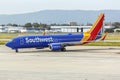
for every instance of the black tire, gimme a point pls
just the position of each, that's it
(63, 49)
(16, 50)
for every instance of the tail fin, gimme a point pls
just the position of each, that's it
(97, 26)
(95, 30)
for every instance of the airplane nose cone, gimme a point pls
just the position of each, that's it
(8, 44)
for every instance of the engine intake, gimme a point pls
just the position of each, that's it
(55, 46)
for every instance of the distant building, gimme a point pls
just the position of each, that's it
(70, 28)
(12, 29)
(109, 27)
(3, 29)
(117, 30)
(73, 23)
(75, 28)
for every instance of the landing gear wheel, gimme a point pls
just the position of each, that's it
(63, 49)
(16, 50)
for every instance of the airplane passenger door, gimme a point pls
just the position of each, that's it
(21, 41)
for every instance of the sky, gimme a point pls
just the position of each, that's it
(26, 6)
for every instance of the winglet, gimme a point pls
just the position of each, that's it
(103, 38)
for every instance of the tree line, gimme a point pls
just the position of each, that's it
(29, 25)
(42, 25)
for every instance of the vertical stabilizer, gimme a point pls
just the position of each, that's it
(94, 30)
(97, 26)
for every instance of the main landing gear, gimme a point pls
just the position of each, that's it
(63, 49)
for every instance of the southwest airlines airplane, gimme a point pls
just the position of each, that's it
(59, 42)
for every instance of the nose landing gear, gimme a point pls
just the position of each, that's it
(16, 50)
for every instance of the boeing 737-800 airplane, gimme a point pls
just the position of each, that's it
(58, 42)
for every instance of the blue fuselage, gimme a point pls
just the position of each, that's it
(42, 41)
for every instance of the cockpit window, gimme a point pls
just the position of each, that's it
(13, 40)
(10, 40)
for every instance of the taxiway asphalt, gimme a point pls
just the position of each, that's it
(77, 63)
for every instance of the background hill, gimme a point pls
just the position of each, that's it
(61, 16)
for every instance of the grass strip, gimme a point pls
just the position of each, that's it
(103, 44)
(2, 42)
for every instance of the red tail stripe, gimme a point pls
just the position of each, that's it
(96, 29)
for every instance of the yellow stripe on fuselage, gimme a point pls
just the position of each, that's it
(85, 37)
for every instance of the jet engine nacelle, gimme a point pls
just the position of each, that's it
(55, 46)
